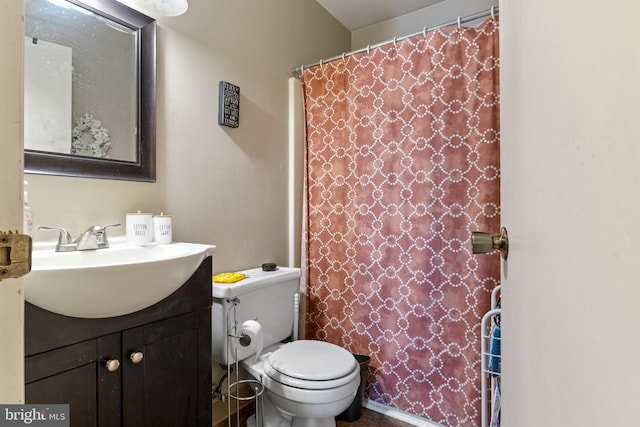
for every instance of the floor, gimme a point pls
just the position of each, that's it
(371, 418)
(368, 418)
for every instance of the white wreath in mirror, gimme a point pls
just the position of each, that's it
(89, 138)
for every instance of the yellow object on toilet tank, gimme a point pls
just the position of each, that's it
(228, 277)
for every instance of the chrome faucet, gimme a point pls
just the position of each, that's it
(95, 237)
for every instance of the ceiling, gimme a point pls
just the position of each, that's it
(357, 14)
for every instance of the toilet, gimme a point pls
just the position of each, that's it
(306, 382)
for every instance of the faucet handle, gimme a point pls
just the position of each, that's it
(64, 238)
(100, 231)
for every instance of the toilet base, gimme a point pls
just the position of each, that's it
(274, 417)
(296, 422)
(313, 422)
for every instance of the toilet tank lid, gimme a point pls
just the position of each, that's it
(255, 279)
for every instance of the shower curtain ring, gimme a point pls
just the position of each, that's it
(424, 32)
(343, 56)
(493, 12)
(368, 48)
(321, 64)
(459, 23)
(394, 42)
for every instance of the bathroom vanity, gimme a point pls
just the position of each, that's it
(148, 368)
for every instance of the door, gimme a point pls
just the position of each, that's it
(570, 126)
(11, 295)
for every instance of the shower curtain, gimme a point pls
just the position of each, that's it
(402, 165)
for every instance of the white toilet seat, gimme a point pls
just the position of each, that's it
(314, 392)
(311, 365)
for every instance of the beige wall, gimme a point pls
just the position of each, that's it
(414, 22)
(223, 186)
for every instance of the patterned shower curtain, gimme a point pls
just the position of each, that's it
(402, 165)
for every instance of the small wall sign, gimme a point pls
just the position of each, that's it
(228, 104)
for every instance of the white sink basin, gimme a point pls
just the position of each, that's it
(109, 282)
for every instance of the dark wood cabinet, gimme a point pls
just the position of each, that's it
(150, 368)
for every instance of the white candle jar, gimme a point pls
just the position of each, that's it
(162, 232)
(139, 228)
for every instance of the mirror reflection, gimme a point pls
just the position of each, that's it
(89, 89)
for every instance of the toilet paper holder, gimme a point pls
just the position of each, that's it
(235, 388)
(483, 243)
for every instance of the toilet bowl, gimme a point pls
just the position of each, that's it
(307, 382)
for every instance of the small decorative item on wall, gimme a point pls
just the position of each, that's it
(228, 104)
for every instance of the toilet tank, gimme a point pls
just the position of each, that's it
(264, 296)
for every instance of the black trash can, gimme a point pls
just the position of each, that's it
(353, 412)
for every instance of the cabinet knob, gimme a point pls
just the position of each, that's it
(136, 357)
(112, 365)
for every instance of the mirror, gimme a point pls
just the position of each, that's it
(89, 90)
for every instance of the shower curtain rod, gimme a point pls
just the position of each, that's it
(460, 20)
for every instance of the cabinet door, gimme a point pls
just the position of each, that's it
(77, 375)
(167, 372)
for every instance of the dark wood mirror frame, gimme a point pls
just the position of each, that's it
(144, 169)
